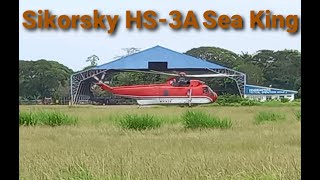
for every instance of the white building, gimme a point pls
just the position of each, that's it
(265, 93)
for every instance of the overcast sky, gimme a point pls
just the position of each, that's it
(72, 47)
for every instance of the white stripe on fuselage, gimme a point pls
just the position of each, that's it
(149, 100)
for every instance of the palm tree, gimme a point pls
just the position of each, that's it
(93, 60)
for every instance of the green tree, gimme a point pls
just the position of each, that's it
(281, 69)
(253, 72)
(221, 57)
(93, 60)
(216, 55)
(42, 78)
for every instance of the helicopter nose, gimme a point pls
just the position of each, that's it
(214, 97)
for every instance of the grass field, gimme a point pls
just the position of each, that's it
(98, 148)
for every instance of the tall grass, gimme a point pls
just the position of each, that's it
(76, 172)
(139, 122)
(50, 118)
(298, 115)
(101, 151)
(199, 119)
(27, 119)
(266, 116)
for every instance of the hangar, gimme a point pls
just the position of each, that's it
(155, 58)
(166, 60)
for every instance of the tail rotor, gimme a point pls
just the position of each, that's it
(101, 79)
(101, 83)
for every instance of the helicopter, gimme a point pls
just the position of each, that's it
(173, 91)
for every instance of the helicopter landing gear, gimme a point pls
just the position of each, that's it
(190, 97)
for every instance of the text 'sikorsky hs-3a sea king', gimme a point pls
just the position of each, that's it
(173, 91)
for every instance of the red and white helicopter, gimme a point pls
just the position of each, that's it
(171, 92)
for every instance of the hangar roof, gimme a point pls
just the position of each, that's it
(173, 60)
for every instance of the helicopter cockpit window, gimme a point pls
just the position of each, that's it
(205, 90)
(182, 82)
(211, 91)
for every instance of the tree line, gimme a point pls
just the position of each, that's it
(279, 69)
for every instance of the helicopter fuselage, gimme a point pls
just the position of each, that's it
(193, 92)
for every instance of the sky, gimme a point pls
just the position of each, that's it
(72, 47)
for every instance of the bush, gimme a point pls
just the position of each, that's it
(235, 100)
(284, 100)
(140, 122)
(45, 118)
(268, 116)
(249, 102)
(297, 100)
(198, 119)
(228, 99)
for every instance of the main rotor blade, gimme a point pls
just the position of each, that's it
(191, 75)
(210, 75)
(152, 72)
(168, 74)
(194, 75)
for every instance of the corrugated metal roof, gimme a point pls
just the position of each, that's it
(174, 59)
